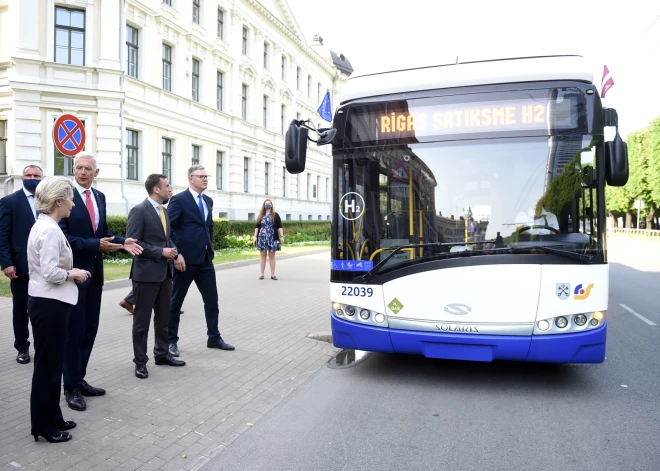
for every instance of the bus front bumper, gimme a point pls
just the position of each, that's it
(582, 347)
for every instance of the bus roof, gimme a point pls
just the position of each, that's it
(463, 74)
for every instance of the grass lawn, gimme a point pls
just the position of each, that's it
(116, 271)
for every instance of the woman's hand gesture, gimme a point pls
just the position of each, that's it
(78, 275)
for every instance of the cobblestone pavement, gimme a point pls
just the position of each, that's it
(179, 418)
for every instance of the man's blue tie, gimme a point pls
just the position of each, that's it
(201, 208)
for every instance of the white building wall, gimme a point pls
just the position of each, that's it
(34, 91)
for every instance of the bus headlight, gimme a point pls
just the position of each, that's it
(598, 315)
(561, 322)
(580, 319)
(364, 315)
(544, 325)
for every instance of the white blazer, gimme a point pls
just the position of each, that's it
(49, 258)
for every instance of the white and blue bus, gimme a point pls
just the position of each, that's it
(469, 210)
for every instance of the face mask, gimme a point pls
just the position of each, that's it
(30, 185)
(166, 201)
(268, 206)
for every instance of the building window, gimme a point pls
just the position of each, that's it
(218, 93)
(167, 2)
(318, 92)
(194, 160)
(219, 163)
(245, 41)
(167, 68)
(167, 158)
(266, 174)
(3, 147)
(246, 167)
(63, 163)
(266, 111)
(69, 36)
(327, 189)
(131, 155)
(283, 67)
(244, 102)
(282, 114)
(284, 181)
(196, 11)
(297, 78)
(221, 24)
(298, 116)
(317, 188)
(309, 86)
(309, 185)
(132, 51)
(265, 55)
(195, 80)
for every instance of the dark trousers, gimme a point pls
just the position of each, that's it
(19, 293)
(148, 296)
(82, 329)
(130, 298)
(49, 328)
(204, 277)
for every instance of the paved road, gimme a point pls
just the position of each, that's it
(194, 411)
(393, 412)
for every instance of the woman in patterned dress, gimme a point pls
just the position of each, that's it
(268, 223)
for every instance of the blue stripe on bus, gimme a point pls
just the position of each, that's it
(583, 347)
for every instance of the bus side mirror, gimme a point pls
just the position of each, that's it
(616, 162)
(295, 148)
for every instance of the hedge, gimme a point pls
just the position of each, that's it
(238, 234)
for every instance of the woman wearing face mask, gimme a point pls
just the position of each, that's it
(268, 223)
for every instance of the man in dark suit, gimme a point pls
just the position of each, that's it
(191, 217)
(87, 232)
(17, 215)
(152, 273)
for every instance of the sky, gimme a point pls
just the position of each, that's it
(380, 34)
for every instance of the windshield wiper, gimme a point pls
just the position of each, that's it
(562, 253)
(367, 276)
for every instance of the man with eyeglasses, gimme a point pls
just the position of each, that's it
(191, 220)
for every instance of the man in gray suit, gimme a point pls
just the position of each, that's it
(152, 273)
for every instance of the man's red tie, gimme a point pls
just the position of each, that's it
(90, 209)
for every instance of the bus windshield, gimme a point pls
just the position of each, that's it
(482, 195)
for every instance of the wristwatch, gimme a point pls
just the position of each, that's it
(67, 276)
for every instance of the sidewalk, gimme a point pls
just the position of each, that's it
(194, 411)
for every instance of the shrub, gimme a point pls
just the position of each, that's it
(238, 234)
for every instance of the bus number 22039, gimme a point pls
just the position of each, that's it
(357, 291)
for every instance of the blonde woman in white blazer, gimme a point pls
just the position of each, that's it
(52, 292)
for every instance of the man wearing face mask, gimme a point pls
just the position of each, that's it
(128, 302)
(17, 215)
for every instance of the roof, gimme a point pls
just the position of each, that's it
(463, 74)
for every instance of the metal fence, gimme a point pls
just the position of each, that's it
(650, 233)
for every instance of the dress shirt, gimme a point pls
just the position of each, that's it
(49, 258)
(196, 196)
(30, 198)
(82, 190)
(155, 204)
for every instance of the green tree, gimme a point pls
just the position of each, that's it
(653, 169)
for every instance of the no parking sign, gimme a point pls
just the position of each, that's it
(69, 135)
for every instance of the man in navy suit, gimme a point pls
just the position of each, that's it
(87, 232)
(191, 220)
(17, 215)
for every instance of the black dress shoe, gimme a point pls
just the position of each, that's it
(62, 437)
(141, 371)
(221, 344)
(67, 425)
(88, 390)
(23, 357)
(169, 360)
(174, 350)
(75, 400)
